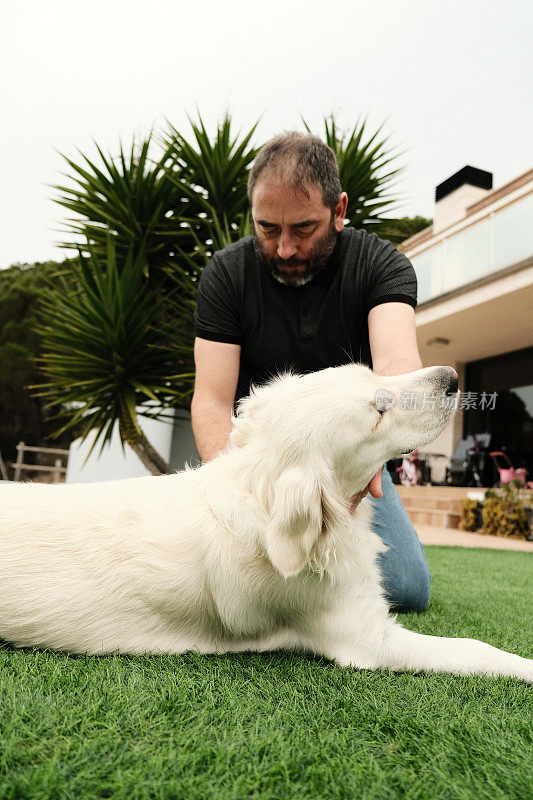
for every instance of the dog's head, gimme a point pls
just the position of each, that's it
(316, 439)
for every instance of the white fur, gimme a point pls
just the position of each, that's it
(256, 550)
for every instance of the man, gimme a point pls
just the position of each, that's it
(304, 292)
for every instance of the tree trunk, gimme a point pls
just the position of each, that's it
(149, 456)
(131, 433)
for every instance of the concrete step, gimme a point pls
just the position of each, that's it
(434, 505)
(439, 505)
(439, 518)
(431, 503)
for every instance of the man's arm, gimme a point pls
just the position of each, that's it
(392, 334)
(217, 372)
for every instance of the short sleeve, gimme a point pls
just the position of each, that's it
(216, 315)
(391, 276)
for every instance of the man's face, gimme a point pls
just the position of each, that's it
(294, 233)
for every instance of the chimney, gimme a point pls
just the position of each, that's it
(455, 194)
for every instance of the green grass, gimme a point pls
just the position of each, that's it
(279, 725)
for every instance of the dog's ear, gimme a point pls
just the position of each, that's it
(296, 521)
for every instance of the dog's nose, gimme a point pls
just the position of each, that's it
(452, 380)
(453, 387)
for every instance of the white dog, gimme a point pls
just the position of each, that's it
(256, 550)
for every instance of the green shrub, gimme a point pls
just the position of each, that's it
(470, 519)
(504, 514)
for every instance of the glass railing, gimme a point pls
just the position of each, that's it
(499, 240)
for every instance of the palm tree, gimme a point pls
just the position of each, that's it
(106, 356)
(120, 345)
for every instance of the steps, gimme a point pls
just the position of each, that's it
(434, 505)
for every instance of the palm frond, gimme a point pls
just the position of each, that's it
(103, 347)
(363, 160)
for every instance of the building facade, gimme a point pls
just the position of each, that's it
(475, 307)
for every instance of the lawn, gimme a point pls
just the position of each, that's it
(279, 725)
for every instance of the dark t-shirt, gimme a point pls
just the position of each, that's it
(306, 328)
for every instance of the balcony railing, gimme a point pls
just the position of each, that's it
(498, 240)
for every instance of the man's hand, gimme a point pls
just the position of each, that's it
(373, 488)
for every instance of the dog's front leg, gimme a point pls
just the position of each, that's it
(374, 640)
(351, 638)
(405, 650)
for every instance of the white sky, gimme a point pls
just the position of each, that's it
(452, 81)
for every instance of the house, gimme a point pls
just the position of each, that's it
(475, 307)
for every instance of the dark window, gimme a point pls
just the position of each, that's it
(510, 422)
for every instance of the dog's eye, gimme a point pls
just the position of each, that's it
(376, 418)
(383, 401)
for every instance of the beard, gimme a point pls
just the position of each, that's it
(299, 271)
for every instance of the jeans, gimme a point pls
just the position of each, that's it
(404, 567)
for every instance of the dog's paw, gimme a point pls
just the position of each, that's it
(500, 663)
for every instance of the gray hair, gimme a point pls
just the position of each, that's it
(299, 160)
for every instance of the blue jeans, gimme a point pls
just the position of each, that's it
(404, 567)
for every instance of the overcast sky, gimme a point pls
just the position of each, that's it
(452, 81)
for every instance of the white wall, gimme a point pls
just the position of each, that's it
(115, 462)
